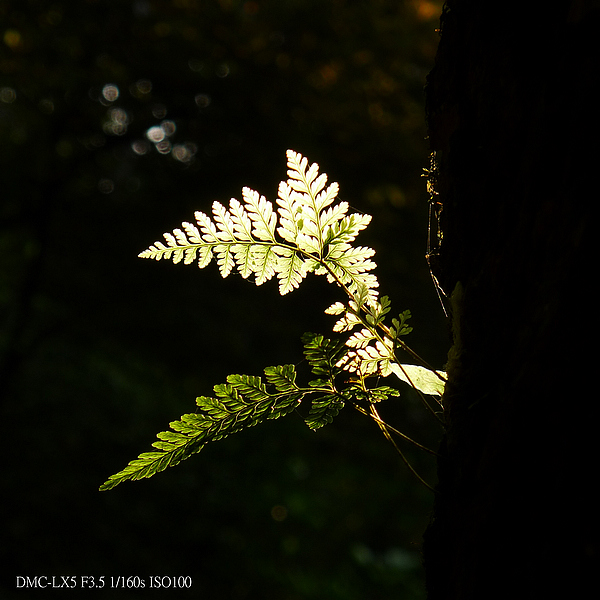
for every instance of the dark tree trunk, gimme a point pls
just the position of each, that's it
(512, 111)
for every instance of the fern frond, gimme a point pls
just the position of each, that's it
(360, 339)
(349, 266)
(282, 377)
(242, 402)
(323, 410)
(264, 220)
(265, 263)
(330, 218)
(367, 359)
(210, 235)
(290, 213)
(399, 326)
(307, 233)
(376, 312)
(322, 354)
(291, 269)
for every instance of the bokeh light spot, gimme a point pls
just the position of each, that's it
(222, 70)
(185, 152)
(46, 106)
(144, 86)
(140, 147)
(64, 148)
(279, 513)
(196, 65)
(117, 123)
(12, 38)
(159, 111)
(164, 147)
(155, 134)
(106, 186)
(202, 100)
(251, 7)
(7, 95)
(110, 92)
(168, 127)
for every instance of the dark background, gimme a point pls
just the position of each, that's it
(99, 350)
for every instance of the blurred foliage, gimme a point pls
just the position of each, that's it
(120, 116)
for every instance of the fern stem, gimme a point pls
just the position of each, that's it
(384, 429)
(380, 421)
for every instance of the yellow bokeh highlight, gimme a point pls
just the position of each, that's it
(13, 39)
(428, 9)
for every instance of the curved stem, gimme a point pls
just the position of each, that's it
(381, 422)
(412, 353)
(384, 429)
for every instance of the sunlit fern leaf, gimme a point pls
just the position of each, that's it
(350, 265)
(348, 320)
(307, 233)
(360, 339)
(290, 213)
(207, 227)
(330, 218)
(327, 196)
(205, 255)
(366, 353)
(346, 229)
(260, 210)
(242, 402)
(376, 312)
(242, 224)
(223, 221)
(399, 326)
(283, 377)
(265, 263)
(193, 235)
(291, 269)
(310, 199)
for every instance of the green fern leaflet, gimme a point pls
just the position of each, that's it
(245, 401)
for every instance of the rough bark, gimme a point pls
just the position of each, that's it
(512, 116)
